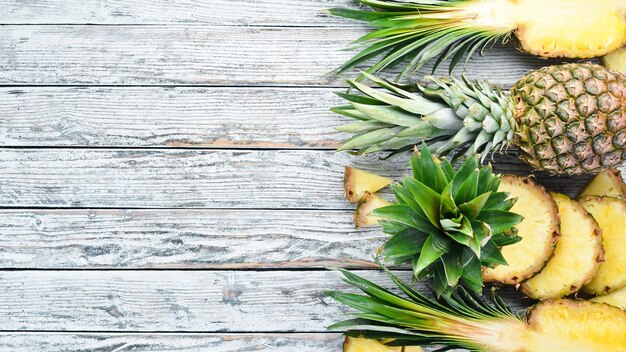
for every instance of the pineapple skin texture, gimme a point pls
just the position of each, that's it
(571, 118)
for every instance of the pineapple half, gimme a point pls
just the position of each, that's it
(363, 216)
(356, 183)
(357, 344)
(539, 232)
(577, 256)
(418, 31)
(606, 183)
(615, 298)
(610, 213)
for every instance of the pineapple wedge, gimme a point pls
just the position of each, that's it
(610, 213)
(357, 182)
(606, 183)
(356, 344)
(539, 231)
(616, 60)
(587, 326)
(577, 255)
(615, 298)
(367, 204)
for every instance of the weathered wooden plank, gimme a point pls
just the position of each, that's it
(92, 178)
(196, 239)
(200, 55)
(151, 342)
(174, 301)
(173, 117)
(212, 12)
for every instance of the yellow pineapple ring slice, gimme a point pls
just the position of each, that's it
(606, 183)
(610, 213)
(616, 298)
(539, 231)
(577, 255)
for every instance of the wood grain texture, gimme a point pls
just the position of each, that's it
(200, 55)
(172, 117)
(188, 12)
(93, 178)
(118, 342)
(175, 301)
(198, 239)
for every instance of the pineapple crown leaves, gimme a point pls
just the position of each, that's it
(417, 31)
(417, 319)
(454, 117)
(448, 224)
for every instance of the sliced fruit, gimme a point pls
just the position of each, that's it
(356, 182)
(606, 183)
(367, 204)
(610, 213)
(539, 231)
(616, 298)
(616, 60)
(588, 326)
(577, 255)
(356, 344)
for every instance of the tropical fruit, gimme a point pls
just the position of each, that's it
(610, 213)
(539, 232)
(616, 298)
(356, 344)
(363, 216)
(357, 182)
(464, 320)
(606, 183)
(616, 60)
(565, 119)
(448, 223)
(576, 258)
(415, 31)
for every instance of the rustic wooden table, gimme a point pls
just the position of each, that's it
(167, 174)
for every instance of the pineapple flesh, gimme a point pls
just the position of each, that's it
(616, 60)
(610, 213)
(577, 255)
(539, 232)
(363, 216)
(358, 182)
(607, 183)
(356, 344)
(615, 298)
(578, 326)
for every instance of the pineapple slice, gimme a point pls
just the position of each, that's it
(610, 213)
(616, 60)
(355, 344)
(367, 204)
(539, 231)
(606, 183)
(577, 255)
(356, 182)
(587, 325)
(615, 298)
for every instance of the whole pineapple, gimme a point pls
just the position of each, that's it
(566, 119)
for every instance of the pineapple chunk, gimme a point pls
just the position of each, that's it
(610, 213)
(615, 298)
(606, 183)
(367, 204)
(577, 255)
(355, 344)
(616, 60)
(585, 326)
(539, 231)
(356, 182)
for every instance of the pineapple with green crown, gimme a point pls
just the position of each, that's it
(565, 119)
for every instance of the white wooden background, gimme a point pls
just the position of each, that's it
(167, 174)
